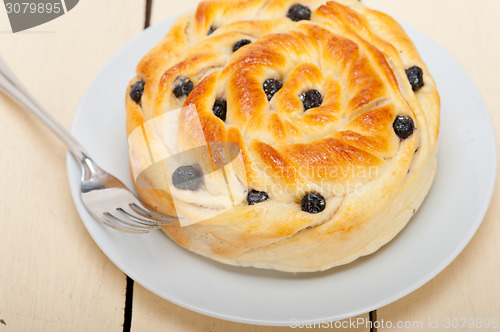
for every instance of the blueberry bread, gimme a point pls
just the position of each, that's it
(335, 115)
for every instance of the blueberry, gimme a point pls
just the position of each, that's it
(255, 197)
(212, 29)
(240, 44)
(299, 13)
(136, 91)
(403, 126)
(271, 87)
(183, 87)
(313, 203)
(220, 109)
(311, 99)
(186, 178)
(416, 77)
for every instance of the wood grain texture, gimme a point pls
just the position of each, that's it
(469, 286)
(52, 275)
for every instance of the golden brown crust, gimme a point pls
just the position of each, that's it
(346, 149)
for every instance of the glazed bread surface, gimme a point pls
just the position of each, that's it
(336, 136)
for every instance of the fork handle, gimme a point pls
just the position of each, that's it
(13, 88)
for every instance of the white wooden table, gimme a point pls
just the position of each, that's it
(52, 275)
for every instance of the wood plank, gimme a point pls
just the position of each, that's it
(150, 312)
(468, 288)
(52, 275)
(165, 9)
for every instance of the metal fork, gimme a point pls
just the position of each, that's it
(105, 197)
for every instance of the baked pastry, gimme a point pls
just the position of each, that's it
(331, 115)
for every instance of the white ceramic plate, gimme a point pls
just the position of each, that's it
(446, 222)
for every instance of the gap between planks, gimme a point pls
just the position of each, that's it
(129, 291)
